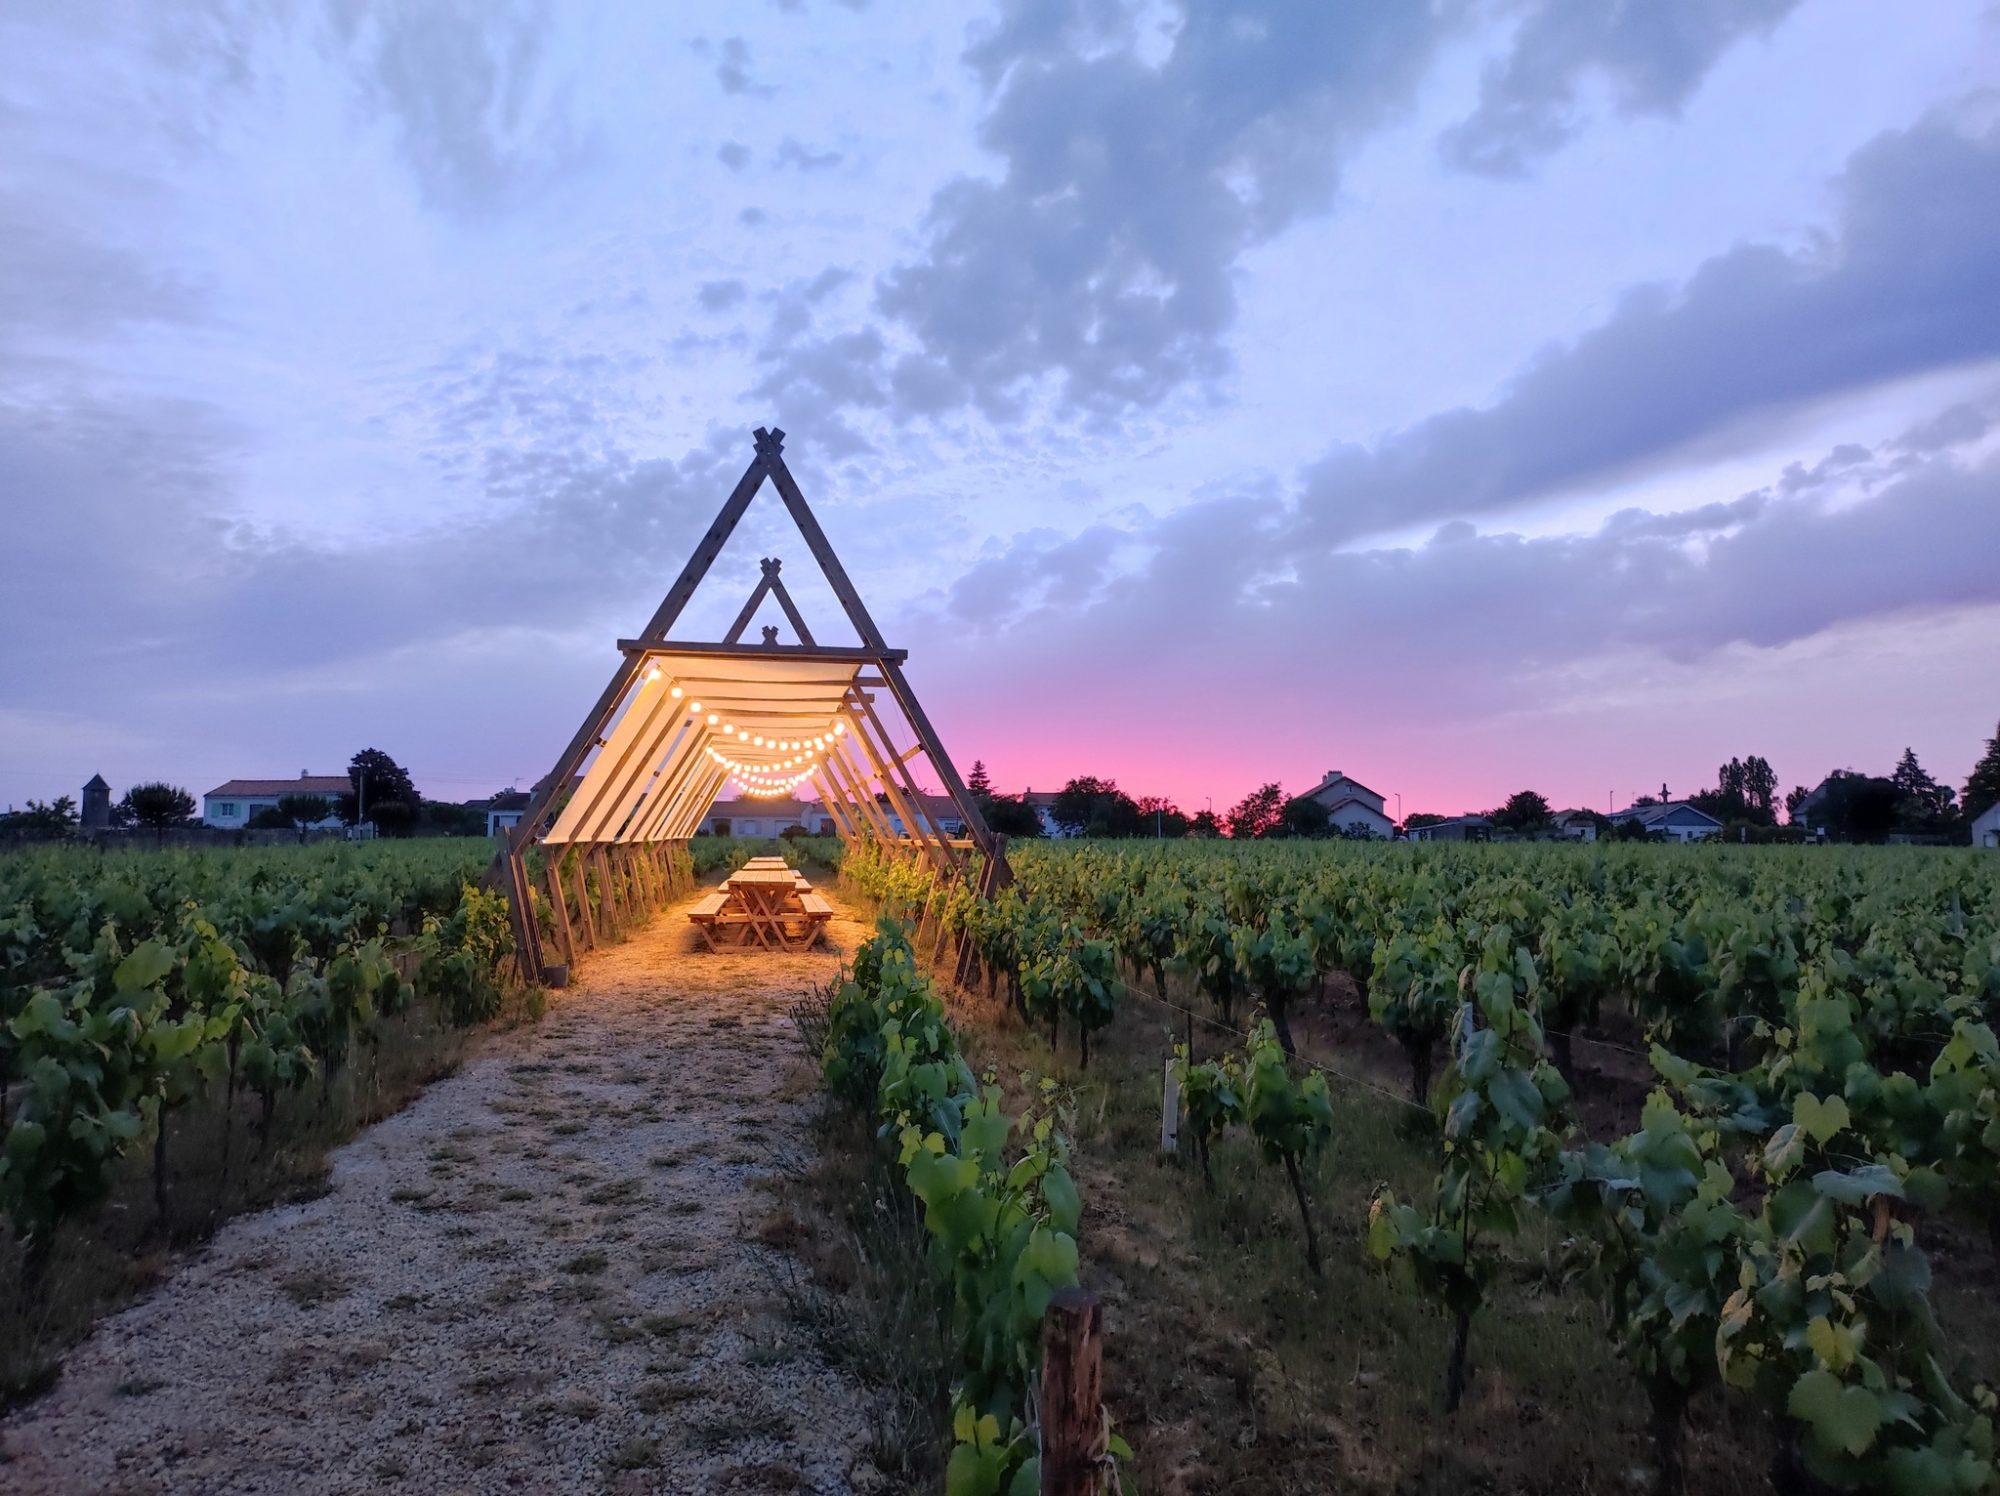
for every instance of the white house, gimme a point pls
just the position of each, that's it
(1676, 819)
(1351, 806)
(230, 806)
(1576, 825)
(937, 812)
(504, 811)
(757, 816)
(1986, 827)
(1043, 804)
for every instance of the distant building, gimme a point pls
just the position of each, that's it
(96, 812)
(1043, 804)
(1986, 827)
(504, 811)
(937, 812)
(1576, 825)
(1676, 819)
(756, 816)
(1458, 828)
(230, 806)
(1351, 806)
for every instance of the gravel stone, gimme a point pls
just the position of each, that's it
(543, 1275)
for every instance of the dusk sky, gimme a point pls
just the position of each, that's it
(1488, 396)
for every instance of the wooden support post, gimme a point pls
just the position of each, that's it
(1073, 1428)
(564, 936)
(582, 885)
(948, 857)
(1170, 1110)
(607, 894)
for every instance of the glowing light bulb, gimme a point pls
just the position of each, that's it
(694, 706)
(741, 732)
(713, 719)
(839, 728)
(652, 672)
(675, 692)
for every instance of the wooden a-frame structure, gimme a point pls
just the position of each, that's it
(681, 719)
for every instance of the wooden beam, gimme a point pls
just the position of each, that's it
(792, 615)
(902, 764)
(832, 653)
(916, 816)
(947, 772)
(757, 595)
(707, 549)
(564, 935)
(770, 448)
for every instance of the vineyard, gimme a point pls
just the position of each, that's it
(1729, 1117)
(182, 1033)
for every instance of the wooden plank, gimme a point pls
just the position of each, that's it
(784, 598)
(950, 864)
(757, 595)
(947, 772)
(770, 448)
(858, 796)
(916, 823)
(684, 761)
(597, 799)
(582, 897)
(573, 756)
(564, 936)
(845, 654)
(707, 549)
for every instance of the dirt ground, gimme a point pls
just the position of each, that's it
(544, 1275)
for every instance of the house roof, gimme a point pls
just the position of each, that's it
(509, 800)
(1334, 776)
(1040, 799)
(305, 784)
(96, 782)
(1346, 800)
(756, 807)
(1647, 815)
(1453, 821)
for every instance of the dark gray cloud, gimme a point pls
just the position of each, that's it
(733, 154)
(1908, 281)
(732, 69)
(1101, 256)
(1650, 57)
(1230, 585)
(720, 295)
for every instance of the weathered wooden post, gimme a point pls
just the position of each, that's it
(1073, 1428)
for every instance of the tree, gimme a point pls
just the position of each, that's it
(1982, 787)
(1792, 803)
(1303, 816)
(158, 806)
(978, 785)
(1926, 807)
(1204, 823)
(1524, 814)
(382, 795)
(1760, 788)
(1745, 790)
(1858, 807)
(1010, 815)
(1089, 806)
(53, 819)
(303, 812)
(1159, 816)
(1420, 818)
(1259, 813)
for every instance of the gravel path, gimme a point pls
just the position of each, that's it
(548, 1274)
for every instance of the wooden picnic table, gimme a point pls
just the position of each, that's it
(770, 906)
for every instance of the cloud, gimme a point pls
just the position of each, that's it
(1100, 257)
(733, 154)
(720, 295)
(1954, 426)
(1907, 282)
(791, 153)
(463, 85)
(1651, 57)
(1230, 589)
(732, 70)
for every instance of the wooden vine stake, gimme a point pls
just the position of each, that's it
(1073, 1427)
(1170, 1110)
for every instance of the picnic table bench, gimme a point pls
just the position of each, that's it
(764, 904)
